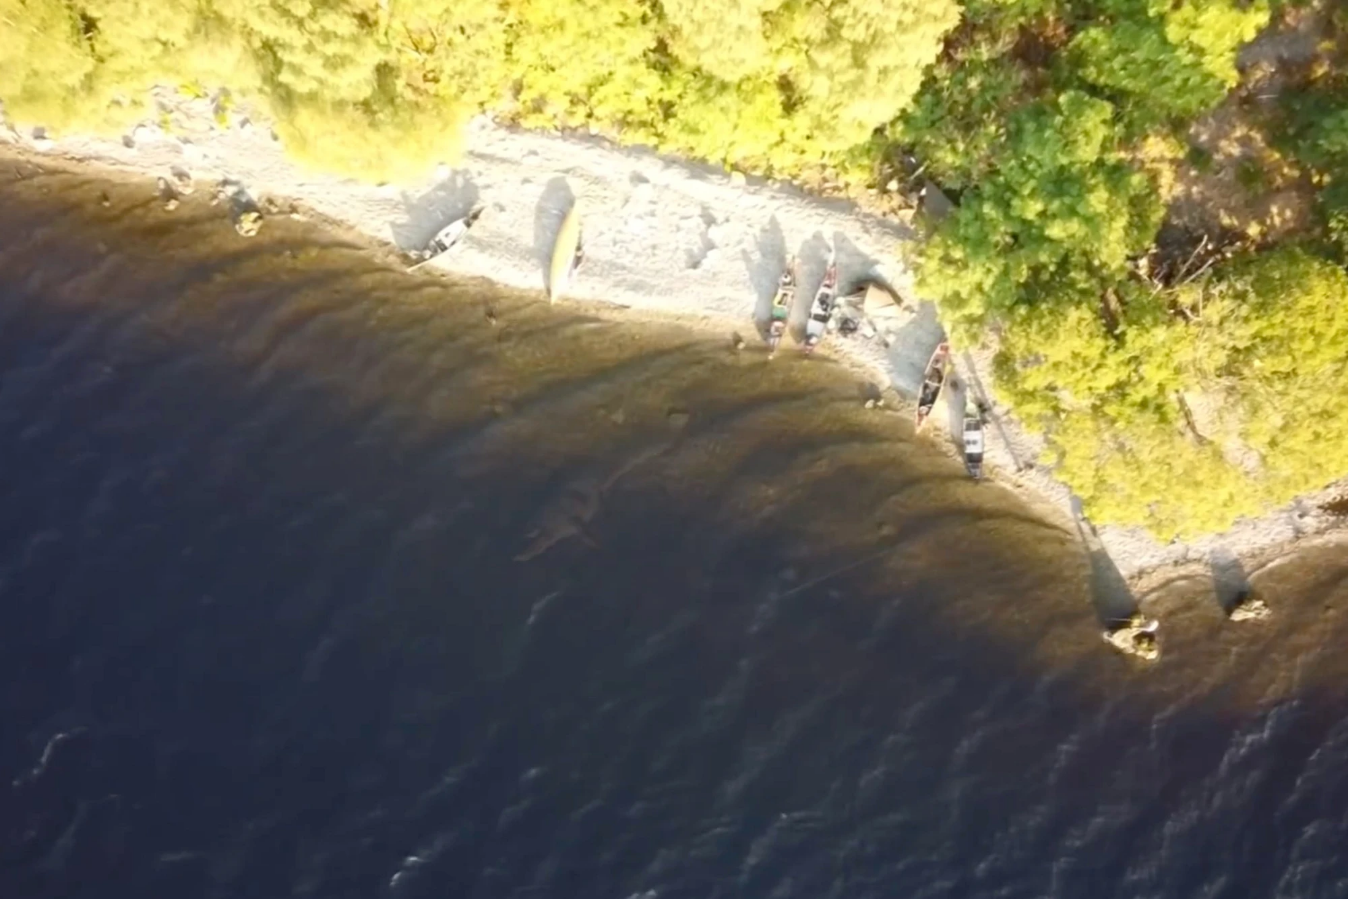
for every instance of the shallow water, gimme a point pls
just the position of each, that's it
(265, 633)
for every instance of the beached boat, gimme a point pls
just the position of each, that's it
(821, 310)
(445, 239)
(781, 306)
(973, 438)
(567, 253)
(933, 379)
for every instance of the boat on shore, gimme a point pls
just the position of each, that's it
(567, 254)
(781, 306)
(973, 438)
(821, 310)
(447, 237)
(933, 380)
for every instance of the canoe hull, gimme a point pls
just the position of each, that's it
(821, 310)
(933, 380)
(564, 254)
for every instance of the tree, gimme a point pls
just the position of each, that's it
(1054, 224)
(1164, 60)
(48, 61)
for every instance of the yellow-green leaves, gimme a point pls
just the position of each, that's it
(775, 85)
(1164, 59)
(45, 61)
(1261, 344)
(723, 38)
(1055, 221)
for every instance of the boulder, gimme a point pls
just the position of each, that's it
(248, 223)
(1250, 608)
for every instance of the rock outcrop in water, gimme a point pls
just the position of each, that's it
(1136, 636)
(1249, 607)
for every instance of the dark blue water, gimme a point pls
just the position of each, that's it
(263, 632)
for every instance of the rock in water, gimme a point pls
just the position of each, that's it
(248, 223)
(1250, 608)
(1135, 637)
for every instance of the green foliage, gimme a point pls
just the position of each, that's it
(1153, 78)
(1288, 312)
(1316, 134)
(1059, 217)
(957, 125)
(1265, 345)
(378, 88)
(1004, 15)
(48, 61)
(1165, 60)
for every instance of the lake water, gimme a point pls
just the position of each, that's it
(264, 631)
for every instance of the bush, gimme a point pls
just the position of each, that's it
(1267, 342)
(1167, 61)
(375, 90)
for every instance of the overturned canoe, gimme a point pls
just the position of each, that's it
(566, 253)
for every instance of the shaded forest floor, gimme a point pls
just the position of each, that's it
(1233, 186)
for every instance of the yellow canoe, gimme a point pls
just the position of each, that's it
(565, 253)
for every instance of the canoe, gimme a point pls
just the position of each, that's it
(973, 438)
(566, 254)
(933, 379)
(445, 239)
(821, 310)
(781, 305)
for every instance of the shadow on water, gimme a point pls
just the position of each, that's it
(1230, 583)
(1110, 592)
(265, 633)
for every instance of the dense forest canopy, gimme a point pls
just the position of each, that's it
(377, 86)
(1156, 225)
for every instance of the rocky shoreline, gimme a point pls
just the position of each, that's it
(664, 236)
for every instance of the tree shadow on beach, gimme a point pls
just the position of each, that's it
(811, 262)
(1230, 582)
(693, 170)
(855, 266)
(765, 270)
(426, 214)
(911, 348)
